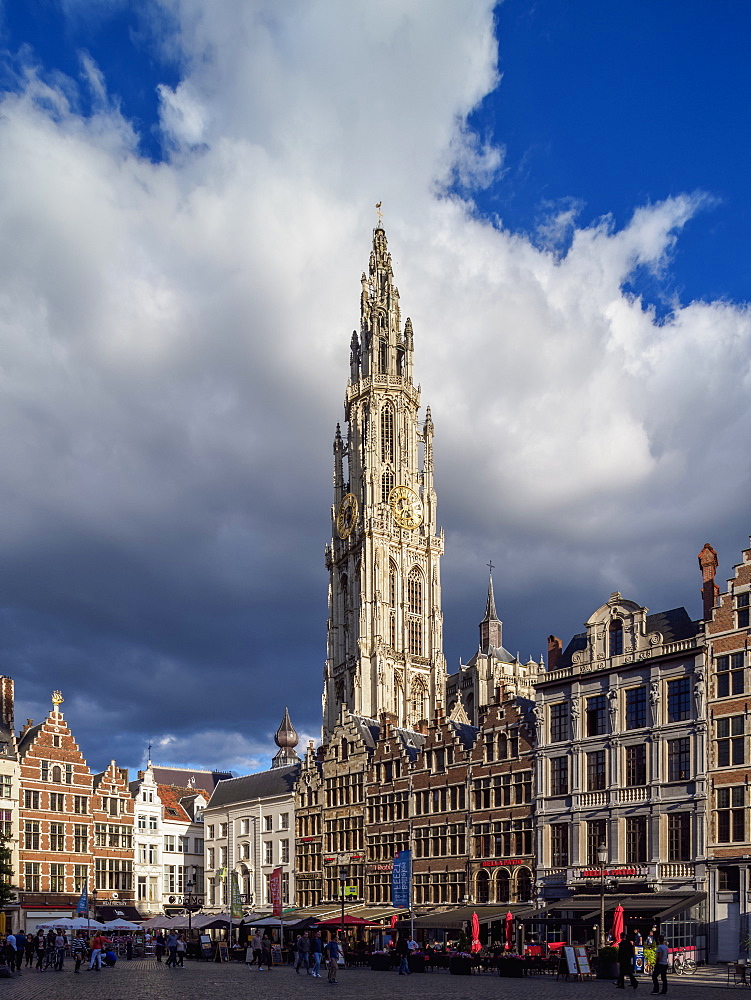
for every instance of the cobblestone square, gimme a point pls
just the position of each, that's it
(148, 980)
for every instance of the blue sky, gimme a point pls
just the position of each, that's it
(186, 200)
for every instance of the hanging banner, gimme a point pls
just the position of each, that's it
(236, 903)
(275, 888)
(401, 880)
(82, 907)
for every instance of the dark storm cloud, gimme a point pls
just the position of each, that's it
(174, 353)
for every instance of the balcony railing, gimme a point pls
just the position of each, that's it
(638, 793)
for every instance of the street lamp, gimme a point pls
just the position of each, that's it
(602, 857)
(189, 886)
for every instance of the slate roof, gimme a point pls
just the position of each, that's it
(264, 784)
(673, 625)
(207, 780)
(6, 737)
(412, 742)
(466, 734)
(28, 738)
(369, 729)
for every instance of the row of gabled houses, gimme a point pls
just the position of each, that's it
(618, 769)
(135, 845)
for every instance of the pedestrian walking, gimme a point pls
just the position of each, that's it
(172, 950)
(20, 949)
(40, 947)
(332, 952)
(129, 947)
(9, 951)
(254, 950)
(626, 963)
(78, 948)
(661, 966)
(402, 950)
(182, 947)
(98, 942)
(60, 944)
(159, 946)
(28, 949)
(303, 953)
(316, 952)
(265, 953)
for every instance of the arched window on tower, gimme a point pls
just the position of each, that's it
(393, 590)
(344, 588)
(415, 612)
(383, 356)
(387, 485)
(419, 700)
(616, 637)
(387, 433)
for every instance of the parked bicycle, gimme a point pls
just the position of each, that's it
(683, 965)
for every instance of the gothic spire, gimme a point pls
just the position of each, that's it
(491, 629)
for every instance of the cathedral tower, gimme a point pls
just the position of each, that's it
(385, 622)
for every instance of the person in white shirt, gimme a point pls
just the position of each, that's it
(661, 966)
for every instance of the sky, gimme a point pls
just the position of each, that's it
(187, 194)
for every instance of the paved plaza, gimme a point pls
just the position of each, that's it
(148, 980)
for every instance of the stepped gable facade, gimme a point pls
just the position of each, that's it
(502, 803)
(112, 814)
(309, 830)
(56, 821)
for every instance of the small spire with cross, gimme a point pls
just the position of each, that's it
(490, 566)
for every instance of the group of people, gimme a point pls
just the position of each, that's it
(49, 951)
(626, 963)
(309, 953)
(175, 945)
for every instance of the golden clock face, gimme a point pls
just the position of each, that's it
(347, 516)
(406, 507)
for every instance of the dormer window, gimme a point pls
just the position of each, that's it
(616, 637)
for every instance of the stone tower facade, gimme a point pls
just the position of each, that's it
(385, 622)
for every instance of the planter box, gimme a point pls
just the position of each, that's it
(460, 966)
(380, 963)
(416, 963)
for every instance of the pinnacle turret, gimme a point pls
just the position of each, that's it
(286, 739)
(491, 629)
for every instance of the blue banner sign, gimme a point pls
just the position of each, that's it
(401, 880)
(82, 908)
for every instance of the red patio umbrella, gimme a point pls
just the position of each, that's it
(617, 931)
(509, 930)
(476, 946)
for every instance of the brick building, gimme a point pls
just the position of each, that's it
(112, 818)
(56, 821)
(309, 830)
(728, 627)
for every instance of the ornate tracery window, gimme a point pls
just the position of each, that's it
(393, 585)
(415, 611)
(387, 434)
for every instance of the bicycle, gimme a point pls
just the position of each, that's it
(683, 965)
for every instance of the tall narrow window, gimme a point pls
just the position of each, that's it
(387, 434)
(616, 637)
(414, 609)
(636, 840)
(392, 604)
(383, 357)
(387, 485)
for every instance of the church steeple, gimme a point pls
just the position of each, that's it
(385, 621)
(491, 629)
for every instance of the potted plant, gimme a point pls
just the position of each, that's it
(460, 963)
(607, 963)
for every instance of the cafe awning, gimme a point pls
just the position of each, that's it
(640, 905)
(455, 919)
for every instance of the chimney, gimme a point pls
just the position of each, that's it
(6, 702)
(709, 590)
(555, 648)
(388, 722)
(422, 727)
(27, 727)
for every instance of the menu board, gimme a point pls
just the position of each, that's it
(582, 960)
(573, 969)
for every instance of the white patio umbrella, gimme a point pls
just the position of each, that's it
(82, 924)
(118, 924)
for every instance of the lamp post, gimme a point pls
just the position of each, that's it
(93, 902)
(602, 857)
(189, 886)
(342, 884)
